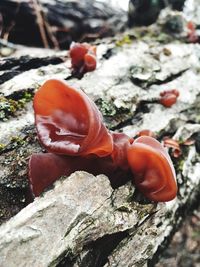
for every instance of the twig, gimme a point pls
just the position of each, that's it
(51, 35)
(40, 22)
(48, 28)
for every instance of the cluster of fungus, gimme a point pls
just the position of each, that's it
(83, 58)
(70, 127)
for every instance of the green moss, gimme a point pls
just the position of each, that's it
(10, 105)
(163, 38)
(14, 143)
(124, 40)
(106, 108)
(179, 165)
(7, 108)
(17, 140)
(153, 33)
(15, 155)
(27, 96)
(113, 116)
(2, 146)
(22, 141)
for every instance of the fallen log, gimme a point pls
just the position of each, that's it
(91, 223)
(56, 24)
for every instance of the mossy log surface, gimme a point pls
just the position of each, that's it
(82, 220)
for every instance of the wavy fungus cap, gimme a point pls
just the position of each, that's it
(154, 174)
(68, 122)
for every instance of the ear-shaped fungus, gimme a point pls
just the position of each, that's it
(174, 145)
(153, 171)
(71, 129)
(68, 122)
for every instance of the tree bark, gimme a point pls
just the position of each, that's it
(82, 220)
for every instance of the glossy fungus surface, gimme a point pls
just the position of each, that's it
(169, 97)
(83, 57)
(174, 145)
(68, 122)
(119, 154)
(146, 132)
(71, 129)
(46, 168)
(152, 168)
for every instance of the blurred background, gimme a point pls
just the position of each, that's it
(56, 23)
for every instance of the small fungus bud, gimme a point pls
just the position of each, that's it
(83, 58)
(168, 98)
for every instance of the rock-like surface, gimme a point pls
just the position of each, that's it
(78, 211)
(81, 210)
(93, 224)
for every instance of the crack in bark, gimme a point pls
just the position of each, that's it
(15, 66)
(96, 253)
(109, 243)
(154, 81)
(76, 221)
(170, 78)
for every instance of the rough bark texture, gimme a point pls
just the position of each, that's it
(83, 221)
